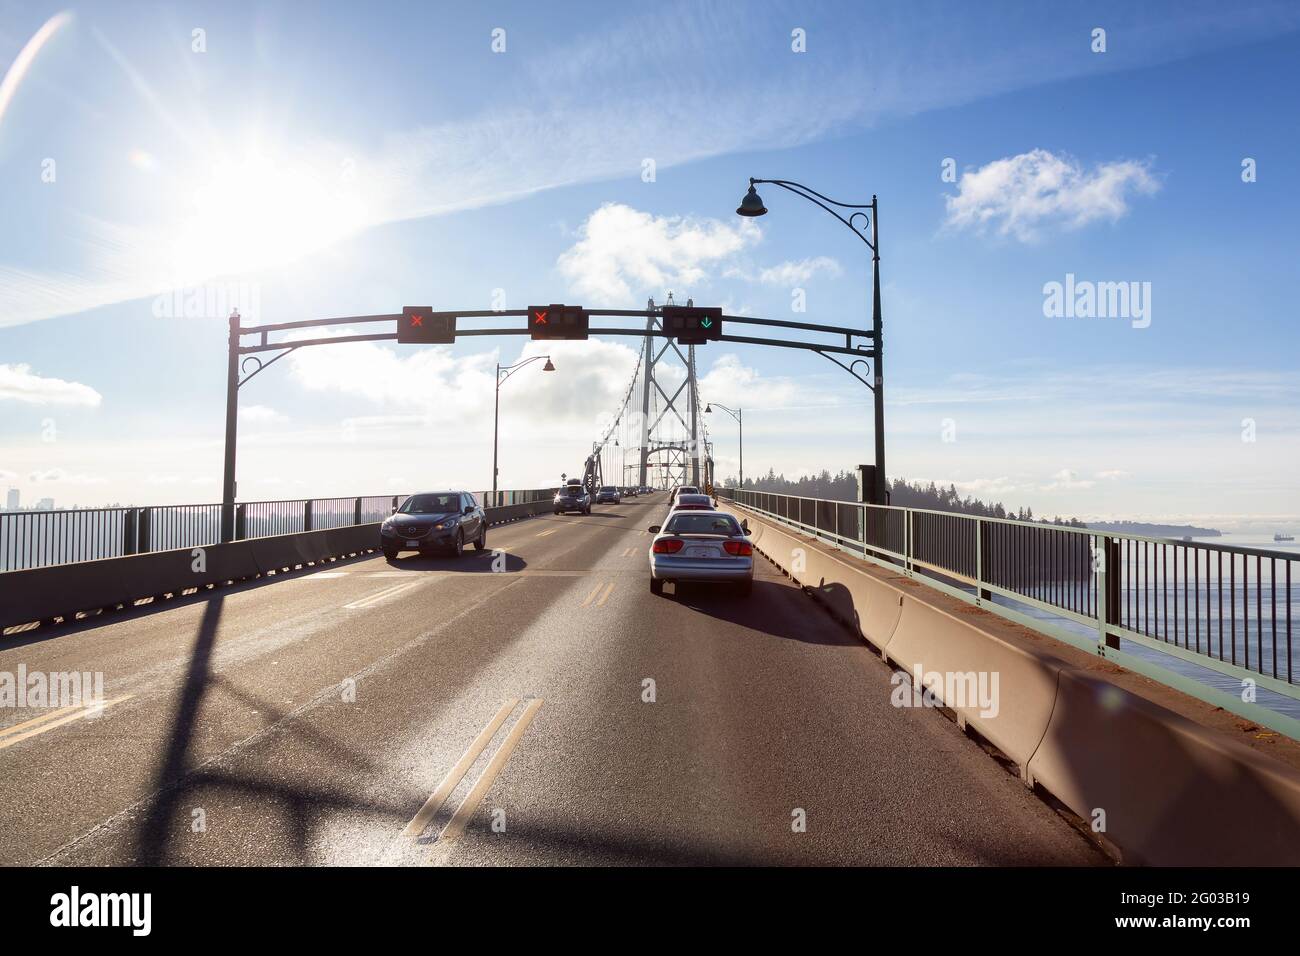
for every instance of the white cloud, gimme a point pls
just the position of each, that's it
(432, 387)
(59, 476)
(624, 254)
(260, 415)
(1021, 195)
(1111, 474)
(792, 273)
(1066, 480)
(20, 384)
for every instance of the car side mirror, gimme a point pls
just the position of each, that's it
(469, 509)
(744, 525)
(394, 510)
(654, 528)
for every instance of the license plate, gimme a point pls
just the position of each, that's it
(701, 552)
(412, 544)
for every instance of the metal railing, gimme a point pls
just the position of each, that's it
(36, 539)
(1225, 608)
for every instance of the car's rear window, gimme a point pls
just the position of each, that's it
(712, 523)
(694, 500)
(431, 504)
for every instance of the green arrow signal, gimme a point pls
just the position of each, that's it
(707, 323)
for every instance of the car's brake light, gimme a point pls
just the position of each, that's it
(668, 545)
(741, 548)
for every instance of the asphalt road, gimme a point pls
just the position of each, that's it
(552, 710)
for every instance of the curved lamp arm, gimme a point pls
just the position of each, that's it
(511, 369)
(730, 411)
(863, 231)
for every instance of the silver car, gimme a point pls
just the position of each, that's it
(704, 546)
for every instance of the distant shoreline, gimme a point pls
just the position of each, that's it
(1155, 530)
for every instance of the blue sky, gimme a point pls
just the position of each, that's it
(352, 160)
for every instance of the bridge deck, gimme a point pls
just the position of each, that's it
(230, 713)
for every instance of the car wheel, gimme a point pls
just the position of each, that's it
(656, 586)
(744, 590)
(459, 546)
(481, 543)
(390, 554)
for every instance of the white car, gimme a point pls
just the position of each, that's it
(701, 546)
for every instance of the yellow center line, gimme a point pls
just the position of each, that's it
(82, 713)
(449, 782)
(456, 826)
(605, 597)
(39, 720)
(592, 596)
(545, 533)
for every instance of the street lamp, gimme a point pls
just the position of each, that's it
(496, 410)
(864, 226)
(739, 415)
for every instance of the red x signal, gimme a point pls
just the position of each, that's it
(416, 320)
(557, 321)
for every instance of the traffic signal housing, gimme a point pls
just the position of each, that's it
(556, 321)
(420, 325)
(692, 325)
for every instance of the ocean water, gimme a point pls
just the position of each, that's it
(1248, 612)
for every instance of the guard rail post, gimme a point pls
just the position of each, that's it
(130, 541)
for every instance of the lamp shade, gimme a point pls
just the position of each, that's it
(752, 204)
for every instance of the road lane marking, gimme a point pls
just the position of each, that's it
(45, 723)
(591, 600)
(382, 595)
(324, 575)
(454, 775)
(545, 533)
(460, 819)
(39, 720)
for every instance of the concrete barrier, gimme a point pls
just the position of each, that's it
(275, 553)
(182, 568)
(1173, 792)
(38, 594)
(1019, 685)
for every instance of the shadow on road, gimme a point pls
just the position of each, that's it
(767, 610)
(178, 777)
(472, 562)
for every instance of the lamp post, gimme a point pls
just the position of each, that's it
(752, 205)
(496, 409)
(739, 415)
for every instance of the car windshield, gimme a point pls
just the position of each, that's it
(713, 523)
(607, 488)
(439, 504)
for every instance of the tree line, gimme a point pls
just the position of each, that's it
(843, 486)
